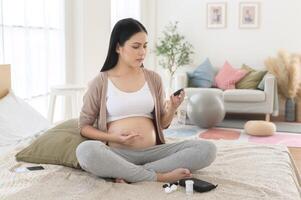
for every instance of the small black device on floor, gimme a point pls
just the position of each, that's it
(198, 185)
(35, 168)
(178, 92)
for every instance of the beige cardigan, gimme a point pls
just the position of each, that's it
(94, 110)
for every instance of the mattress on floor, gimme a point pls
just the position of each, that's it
(241, 170)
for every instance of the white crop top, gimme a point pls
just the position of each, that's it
(128, 104)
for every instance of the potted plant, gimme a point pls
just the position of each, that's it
(286, 68)
(174, 51)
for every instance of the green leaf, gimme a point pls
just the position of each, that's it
(173, 50)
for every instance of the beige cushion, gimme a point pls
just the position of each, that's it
(55, 146)
(260, 128)
(251, 80)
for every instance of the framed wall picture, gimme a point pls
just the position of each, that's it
(249, 15)
(216, 15)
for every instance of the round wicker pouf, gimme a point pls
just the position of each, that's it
(260, 128)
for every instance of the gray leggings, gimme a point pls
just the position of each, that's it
(142, 164)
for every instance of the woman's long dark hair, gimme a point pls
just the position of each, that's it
(122, 31)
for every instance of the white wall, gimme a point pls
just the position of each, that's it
(280, 27)
(87, 36)
(88, 27)
(88, 32)
(149, 20)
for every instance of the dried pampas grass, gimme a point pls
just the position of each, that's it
(299, 91)
(287, 70)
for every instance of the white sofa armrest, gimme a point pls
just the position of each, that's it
(270, 89)
(181, 81)
(269, 84)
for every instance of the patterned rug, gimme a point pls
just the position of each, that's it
(280, 138)
(291, 127)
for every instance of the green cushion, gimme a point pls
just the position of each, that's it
(55, 146)
(251, 80)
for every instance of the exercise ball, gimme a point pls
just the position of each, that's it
(205, 109)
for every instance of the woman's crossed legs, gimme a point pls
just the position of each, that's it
(166, 162)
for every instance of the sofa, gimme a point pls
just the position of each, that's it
(241, 100)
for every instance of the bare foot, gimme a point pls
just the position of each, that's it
(174, 175)
(120, 180)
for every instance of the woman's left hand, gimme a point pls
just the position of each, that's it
(175, 101)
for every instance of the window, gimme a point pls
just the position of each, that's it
(32, 41)
(123, 9)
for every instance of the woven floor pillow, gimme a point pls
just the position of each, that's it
(260, 128)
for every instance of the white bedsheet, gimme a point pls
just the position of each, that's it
(7, 148)
(241, 170)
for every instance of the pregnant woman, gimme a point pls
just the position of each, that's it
(124, 113)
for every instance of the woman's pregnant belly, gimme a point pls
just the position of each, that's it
(141, 125)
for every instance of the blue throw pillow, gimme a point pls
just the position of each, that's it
(202, 76)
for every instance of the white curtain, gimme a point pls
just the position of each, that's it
(32, 41)
(123, 9)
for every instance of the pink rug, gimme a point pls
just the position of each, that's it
(287, 139)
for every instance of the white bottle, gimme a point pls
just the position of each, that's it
(189, 187)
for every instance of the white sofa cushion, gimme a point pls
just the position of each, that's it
(191, 91)
(244, 95)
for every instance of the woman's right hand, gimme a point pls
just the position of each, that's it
(126, 137)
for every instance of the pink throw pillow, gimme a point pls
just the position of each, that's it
(228, 76)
